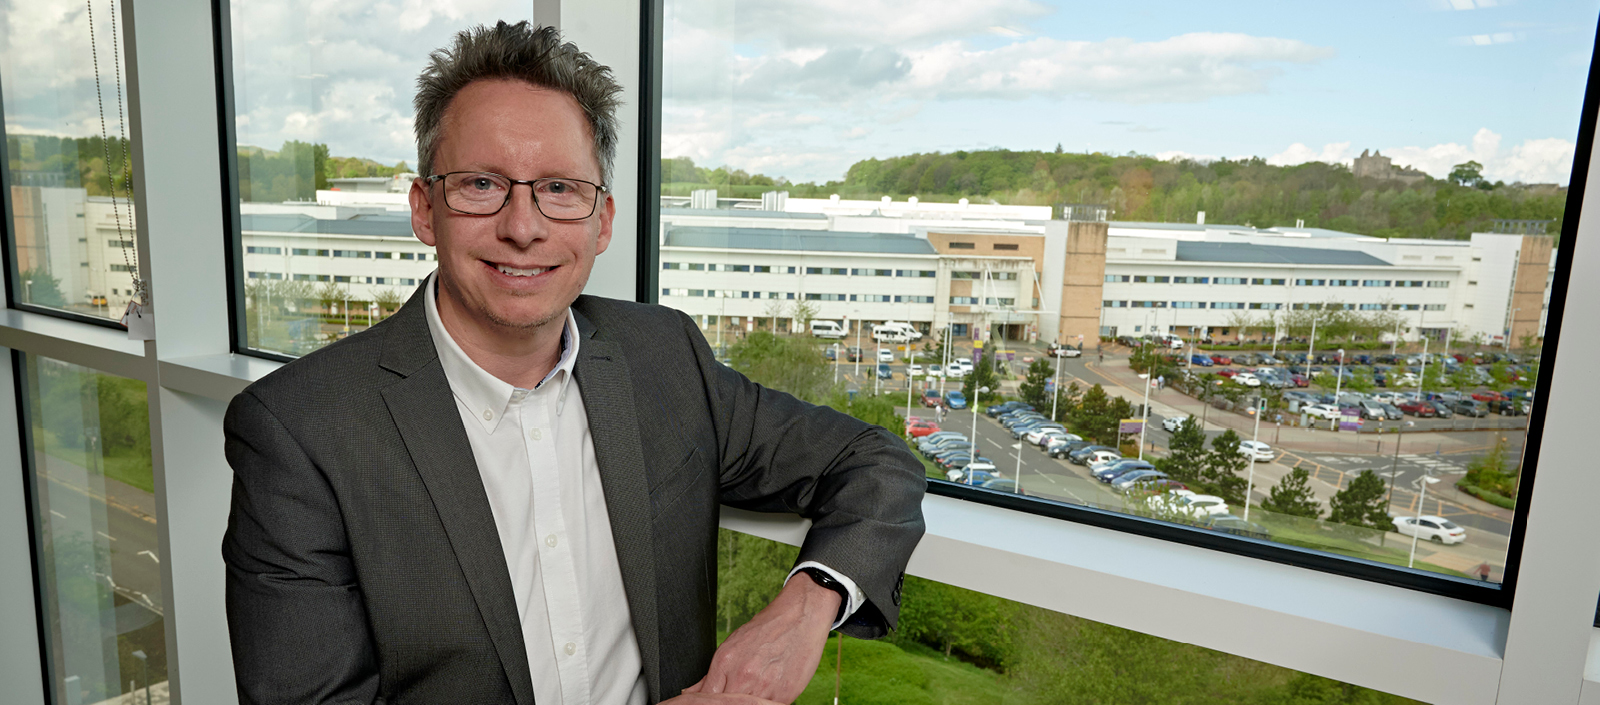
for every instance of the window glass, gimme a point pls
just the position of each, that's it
(71, 219)
(322, 126)
(1422, 248)
(95, 524)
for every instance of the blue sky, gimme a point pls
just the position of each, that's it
(803, 89)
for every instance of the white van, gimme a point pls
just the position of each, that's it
(895, 332)
(828, 329)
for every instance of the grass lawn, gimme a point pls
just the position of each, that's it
(881, 673)
(128, 468)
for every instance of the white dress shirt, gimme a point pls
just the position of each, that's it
(536, 458)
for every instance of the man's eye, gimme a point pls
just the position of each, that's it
(483, 184)
(557, 187)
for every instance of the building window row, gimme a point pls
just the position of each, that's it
(1342, 282)
(263, 250)
(840, 271)
(782, 269)
(728, 293)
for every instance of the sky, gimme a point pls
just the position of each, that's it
(804, 88)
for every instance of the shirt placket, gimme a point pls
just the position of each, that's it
(558, 567)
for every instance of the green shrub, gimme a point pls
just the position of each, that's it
(1495, 498)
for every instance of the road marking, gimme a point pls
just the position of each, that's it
(151, 555)
(107, 536)
(57, 514)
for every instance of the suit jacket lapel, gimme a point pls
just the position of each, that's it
(425, 412)
(603, 379)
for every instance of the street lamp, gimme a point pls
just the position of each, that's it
(1055, 401)
(1511, 326)
(972, 404)
(144, 664)
(27, 289)
(1338, 384)
(1144, 413)
(1018, 479)
(1427, 479)
(1261, 406)
(835, 353)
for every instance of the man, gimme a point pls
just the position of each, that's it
(507, 492)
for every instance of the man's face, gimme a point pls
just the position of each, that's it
(514, 129)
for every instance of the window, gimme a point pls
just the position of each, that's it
(1267, 282)
(1374, 307)
(1409, 284)
(1114, 304)
(839, 271)
(963, 301)
(1149, 304)
(872, 272)
(1117, 278)
(311, 277)
(966, 275)
(1472, 283)
(89, 434)
(353, 254)
(1003, 276)
(1433, 307)
(826, 297)
(924, 273)
(1151, 279)
(1375, 282)
(266, 275)
(1005, 246)
(1188, 304)
(1310, 282)
(303, 252)
(1266, 306)
(1407, 307)
(905, 299)
(1439, 284)
(263, 250)
(1227, 305)
(1342, 282)
(962, 245)
(998, 301)
(876, 298)
(1191, 280)
(1229, 280)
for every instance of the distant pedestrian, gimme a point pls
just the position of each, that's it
(1483, 571)
(1161, 382)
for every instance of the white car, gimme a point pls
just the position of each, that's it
(1432, 528)
(1256, 451)
(959, 364)
(1033, 437)
(915, 370)
(1321, 411)
(935, 371)
(1247, 379)
(955, 372)
(1100, 459)
(886, 356)
(1188, 505)
(1173, 423)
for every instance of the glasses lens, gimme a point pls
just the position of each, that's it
(565, 199)
(479, 193)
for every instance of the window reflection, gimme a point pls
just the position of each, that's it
(94, 513)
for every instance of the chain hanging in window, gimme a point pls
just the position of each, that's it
(130, 255)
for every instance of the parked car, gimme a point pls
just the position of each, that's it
(1200, 360)
(1431, 528)
(884, 372)
(934, 442)
(955, 399)
(913, 371)
(1044, 437)
(852, 354)
(919, 429)
(1470, 407)
(1154, 486)
(1509, 407)
(1372, 410)
(1062, 449)
(934, 371)
(1257, 451)
(1393, 412)
(1230, 524)
(1221, 360)
(1127, 479)
(1321, 411)
(931, 398)
(1114, 470)
(973, 474)
(1171, 424)
(1247, 379)
(1097, 457)
(886, 356)
(1419, 408)
(1055, 350)
(1003, 484)
(1488, 395)
(1081, 455)
(1038, 433)
(1004, 407)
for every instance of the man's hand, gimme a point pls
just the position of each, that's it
(775, 654)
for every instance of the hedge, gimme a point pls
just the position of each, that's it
(1495, 498)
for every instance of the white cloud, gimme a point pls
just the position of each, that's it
(1332, 153)
(1547, 160)
(1182, 69)
(802, 23)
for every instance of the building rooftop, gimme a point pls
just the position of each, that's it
(1241, 252)
(740, 213)
(797, 240)
(366, 224)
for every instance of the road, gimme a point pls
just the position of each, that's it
(116, 519)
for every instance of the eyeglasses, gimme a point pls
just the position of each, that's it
(485, 193)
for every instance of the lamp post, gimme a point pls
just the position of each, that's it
(347, 308)
(858, 343)
(1338, 385)
(835, 353)
(973, 406)
(877, 360)
(1144, 413)
(1311, 347)
(911, 358)
(144, 664)
(27, 289)
(1427, 479)
(1261, 405)
(1018, 480)
(1055, 401)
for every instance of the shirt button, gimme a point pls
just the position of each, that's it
(571, 648)
(488, 415)
(536, 434)
(550, 540)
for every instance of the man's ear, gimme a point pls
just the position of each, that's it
(422, 213)
(607, 214)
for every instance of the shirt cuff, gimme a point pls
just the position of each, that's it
(857, 598)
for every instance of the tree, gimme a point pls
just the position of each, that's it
(1033, 387)
(388, 300)
(804, 311)
(935, 347)
(982, 375)
(41, 288)
(1361, 503)
(1493, 471)
(329, 294)
(1223, 465)
(1292, 495)
(1469, 174)
(793, 365)
(1186, 455)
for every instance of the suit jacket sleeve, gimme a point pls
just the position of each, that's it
(296, 619)
(859, 484)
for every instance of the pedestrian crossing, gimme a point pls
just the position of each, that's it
(1436, 465)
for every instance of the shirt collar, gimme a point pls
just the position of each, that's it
(486, 395)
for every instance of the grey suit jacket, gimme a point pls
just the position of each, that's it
(362, 559)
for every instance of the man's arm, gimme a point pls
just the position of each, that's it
(295, 613)
(858, 484)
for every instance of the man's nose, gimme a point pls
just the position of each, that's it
(520, 221)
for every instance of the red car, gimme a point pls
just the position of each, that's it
(1488, 395)
(1229, 373)
(1221, 360)
(1420, 409)
(931, 398)
(918, 429)
(1299, 380)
